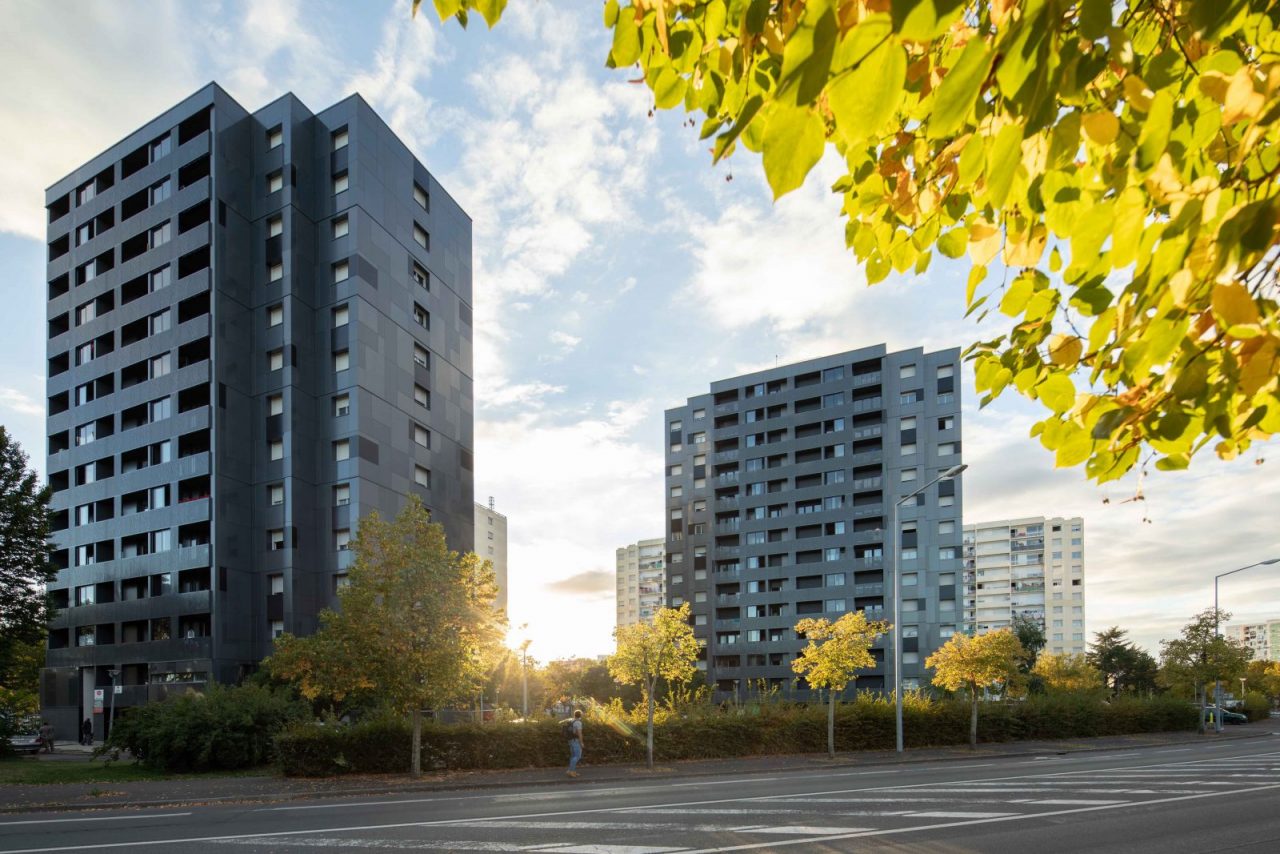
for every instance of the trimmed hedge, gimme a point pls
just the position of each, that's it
(383, 745)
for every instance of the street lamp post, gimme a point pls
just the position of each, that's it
(111, 719)
(1217, 633)
(897, 599)
(524, 677)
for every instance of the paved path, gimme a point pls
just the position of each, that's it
(1201, 796)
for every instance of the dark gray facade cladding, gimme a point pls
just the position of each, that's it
(792, 525)
(166, 518)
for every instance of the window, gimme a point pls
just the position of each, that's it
(160, 322)
(421, 436)
(275, 181)
(275, 493)
(341, 316)
(275, 539)
(908, 449)
(699, 414)
(340, 183)
(341, 271)
(912, 396)
(275, 360)
(275, 137)
(340, 582)
(698, 438)
(947, 423)
(161, 191)
(420, 356)
(342, 539)
(341, 495)
(275, 404)
(276, 449)
(421, 396)
(947, 553)
(341, 226)
(835, 579)
(906, 372)
(275, 226)
(160, 365)
(946, 527)
(275, 315)
(422, 476)
(275, 272)
(342, 450)
(945, 371)
(908, 475)
(340, 138)
(420, 196)
(677, 491)
(419, 276)
(421, 316)
(675, 426)
(946, 449)
(421, 237)
(341, 405)
(341, 360)
(836, 606)
(277, 628)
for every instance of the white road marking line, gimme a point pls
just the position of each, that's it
(609, 849)
(946, 825)
(136, 817)
(960, 814)
(803, 830)
(1069, 802)
(338, 842)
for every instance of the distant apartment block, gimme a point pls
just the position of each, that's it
(491, 544)
(641, 580)
(1031, 566)
(1263, 638)
(779, 488)
(259, 331)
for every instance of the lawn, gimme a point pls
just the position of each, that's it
(25, 771)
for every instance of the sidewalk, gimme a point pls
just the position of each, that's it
(196, 789)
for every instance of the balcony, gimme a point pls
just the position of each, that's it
(872, 378)
(727, 598)
(866, 483)
(725, 456)
(727, 624)
(871, 431)
(725, 408)
(868, 404)
(729, 526)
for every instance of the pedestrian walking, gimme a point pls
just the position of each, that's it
(86, 732)
(46, 736)
(573, 730)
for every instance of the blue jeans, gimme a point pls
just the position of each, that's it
(575, 754)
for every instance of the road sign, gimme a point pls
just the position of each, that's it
(98, 696)
(119, 689)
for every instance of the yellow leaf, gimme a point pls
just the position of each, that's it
(1135, 89)
(1101, 127)
(1242, 100)
(1233, 306)
(1065, 350)
(1180, 284)
(1261, 367)
(984, 242)
(1027, 250)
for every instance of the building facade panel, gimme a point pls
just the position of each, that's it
(640, 580)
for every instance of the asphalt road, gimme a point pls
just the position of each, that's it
(1208, 797)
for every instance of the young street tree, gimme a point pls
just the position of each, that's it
(647, 652)
(415, 627)
(1067, 673)
(25, 567)
(974, 664)
(1197, 658)
(834, 655)
(1117, 157)
(1124, 666)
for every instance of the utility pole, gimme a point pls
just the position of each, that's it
(111, 720)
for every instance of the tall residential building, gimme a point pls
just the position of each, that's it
(1032, 566)
(641, 580)
(259, 330)
(491, 544)
(1263, 638)
(779, 489)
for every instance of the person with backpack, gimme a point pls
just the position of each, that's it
(573, 733)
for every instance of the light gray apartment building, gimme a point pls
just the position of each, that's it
(491, 544)
(259, 330)
(779, 488)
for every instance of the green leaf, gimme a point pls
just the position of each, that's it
(867, 97)
(1016, 298)
(611, 13)
(793, 142)
(668, 88)
(491, 10)
(1003, 162)
(806, 61)
(1154, 138)
(922, 20)
(1095, 18)
(626, 39)
(745, 115)
(1057, 392)
(954, 243)
(954, 100)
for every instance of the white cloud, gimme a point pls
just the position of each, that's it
(20, 402)
(396, 83)
(564, 340)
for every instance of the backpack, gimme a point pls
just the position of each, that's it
(566, 728)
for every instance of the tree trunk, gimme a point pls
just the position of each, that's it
(831, 723)
(650, 740)
(415, 764)
(973, 721)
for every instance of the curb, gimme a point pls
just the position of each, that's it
(463, 785)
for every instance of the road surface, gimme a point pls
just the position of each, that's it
(1206, 797)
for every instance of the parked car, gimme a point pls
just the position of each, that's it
(26, 742)
(1228, 717)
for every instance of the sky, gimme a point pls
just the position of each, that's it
(617, 272)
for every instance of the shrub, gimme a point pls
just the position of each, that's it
(220, 729)
(1256, 706)
(867, 723)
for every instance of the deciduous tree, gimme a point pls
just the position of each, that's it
(1067, 672)
(1114, 160)
(25, 567)
(415, 627)
(833, 656)
(664, 649)
(1264, 677)
(1199, 656)
(974, 664)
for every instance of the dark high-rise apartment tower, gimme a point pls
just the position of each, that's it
(259, 332)
(779, 490)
